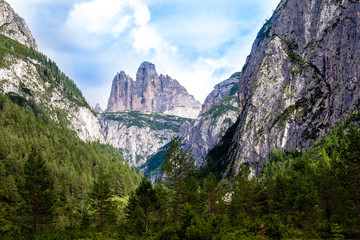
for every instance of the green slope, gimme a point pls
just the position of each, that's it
(72, 164)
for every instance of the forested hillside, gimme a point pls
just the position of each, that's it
(42, 158)
(310, 194)
(289, 167)
(80, 189)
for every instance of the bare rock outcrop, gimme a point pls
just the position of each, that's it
(151, 93)
(301, 78)
(219, 112)
(14, 27)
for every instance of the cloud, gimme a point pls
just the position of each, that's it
(199, 43)
(103, 17)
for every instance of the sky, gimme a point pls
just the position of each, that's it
(199, 43)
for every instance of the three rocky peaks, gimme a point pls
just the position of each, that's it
(151, 93)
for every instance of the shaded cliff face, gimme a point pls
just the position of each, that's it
(301, 78)
(14, 27)
(219, 112)
(152, 93)
(139, 135)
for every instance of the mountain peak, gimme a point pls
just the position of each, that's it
(152, 93)
(147, 65)
(98, 108)
(14, 27)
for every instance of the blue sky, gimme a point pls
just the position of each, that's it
(199, 43)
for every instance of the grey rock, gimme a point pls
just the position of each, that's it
(152, 93)
(139, 135)
(14, 27)
(219, 112)
(24, 77)
(98, 108)
(301, 78)
(221, 90)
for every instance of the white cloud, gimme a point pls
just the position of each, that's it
(145, 38)
(199, 43)
(107, 16)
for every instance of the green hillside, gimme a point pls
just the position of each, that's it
(51, 180)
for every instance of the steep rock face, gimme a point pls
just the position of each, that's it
(219, 112)
(28, 76)
(301, 78)
(14, 27)
(24, 78)
(152, 93)
(225, 88)
(139, 135)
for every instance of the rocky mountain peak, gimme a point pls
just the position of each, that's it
(225, 88)
(152, 93)
(14, 27)
(218, 113)
(147, 67)
(98, 108)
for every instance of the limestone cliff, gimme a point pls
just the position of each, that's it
(219, 112)
(152, 93)
(301, 78)
(14, 27)
(98, 108)
(139, 135)
(31, 79)
(228, 87)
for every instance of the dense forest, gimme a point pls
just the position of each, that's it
(54, 186)
(50, 180)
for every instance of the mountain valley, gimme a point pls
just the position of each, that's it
(271, 153)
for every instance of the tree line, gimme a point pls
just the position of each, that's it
(53, 185)
(313, 193)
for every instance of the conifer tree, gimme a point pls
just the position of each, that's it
(178, 166)
(100, 201)
(38, 191)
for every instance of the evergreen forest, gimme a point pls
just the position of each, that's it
(55, 186)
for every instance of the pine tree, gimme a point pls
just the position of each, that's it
(352, 158)
(38, 191)
(100, 201)
(178, 166)
(211, 192)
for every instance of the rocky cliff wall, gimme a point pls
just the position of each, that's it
(301, 78)
(139, 135)
(219, 112)
(30, 76)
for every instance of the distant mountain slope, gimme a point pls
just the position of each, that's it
(301, 78)
(139, 135)
(219, 112)
(151, 92)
